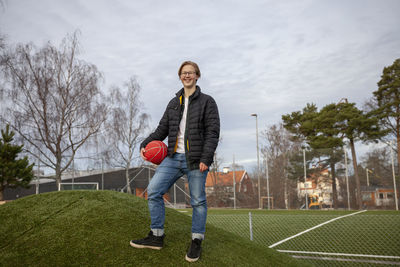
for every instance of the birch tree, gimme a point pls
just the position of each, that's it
(57, 102)
(126, 126)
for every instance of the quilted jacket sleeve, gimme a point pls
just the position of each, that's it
(161, 131)
(211, 132)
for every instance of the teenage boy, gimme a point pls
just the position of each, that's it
(191, 123)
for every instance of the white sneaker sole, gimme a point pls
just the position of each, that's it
(143, 246)
(190, 259)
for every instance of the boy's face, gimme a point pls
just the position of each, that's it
(188, 76)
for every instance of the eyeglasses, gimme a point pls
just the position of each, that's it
(190, 73)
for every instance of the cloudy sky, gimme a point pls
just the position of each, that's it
(264, 57)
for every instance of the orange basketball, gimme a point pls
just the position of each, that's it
(156, 151)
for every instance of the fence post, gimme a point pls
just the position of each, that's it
(251, 227)
(174, 195)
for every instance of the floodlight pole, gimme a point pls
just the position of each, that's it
(267, 170)
(234, 183)
(73, 172)
(366, 169)
(347, 177)
(258, 163)
(38, 177)
(394, 177)
(305, 176)
(102, 173)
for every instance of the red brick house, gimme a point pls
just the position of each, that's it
(219, 187)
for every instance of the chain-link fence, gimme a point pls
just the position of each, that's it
(328, 178)
(317, 205)
(320, 206)
(337, 238)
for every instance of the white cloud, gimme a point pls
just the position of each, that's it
(264, 57)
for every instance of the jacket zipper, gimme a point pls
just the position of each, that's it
(180, 117)
(186, 137)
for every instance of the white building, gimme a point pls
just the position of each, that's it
(320, 186)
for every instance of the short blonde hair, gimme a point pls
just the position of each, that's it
(194, 65)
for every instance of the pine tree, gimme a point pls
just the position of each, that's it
(327, 130)
(347, 122)
(13, 172)
(388, 102)
(314, 128)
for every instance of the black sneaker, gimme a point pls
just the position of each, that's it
(194, 250)
(151, 241)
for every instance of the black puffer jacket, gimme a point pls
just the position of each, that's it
(202, 127)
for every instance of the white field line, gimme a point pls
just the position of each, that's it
(315, 227)
(339, 254)
(349, 260)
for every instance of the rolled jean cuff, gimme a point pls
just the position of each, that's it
(198, 236)
(158, 232)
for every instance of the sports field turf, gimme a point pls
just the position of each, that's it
(367, 233)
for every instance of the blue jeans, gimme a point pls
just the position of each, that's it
(170, 170)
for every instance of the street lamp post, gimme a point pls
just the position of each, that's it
(267, 171)
(258, 163)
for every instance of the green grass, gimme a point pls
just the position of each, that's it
(82, 228)
(269, 227)
(368, 233)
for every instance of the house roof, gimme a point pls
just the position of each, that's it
(374, 188)
(225, 179)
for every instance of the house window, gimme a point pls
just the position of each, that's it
(308, 185)
(381, 196)
(366, 197)
(389, 195)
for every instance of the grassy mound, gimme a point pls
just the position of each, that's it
(78, 228)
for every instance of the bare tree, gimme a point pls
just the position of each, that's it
(126, 125)
(2, 48)
(2, 41)
(3, 4)
(377, 163)
(215, 179)
(57, 103)
(276, 151)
